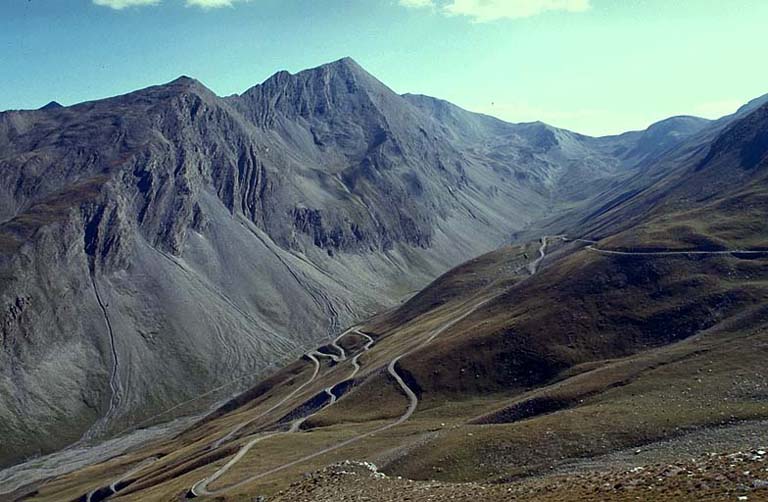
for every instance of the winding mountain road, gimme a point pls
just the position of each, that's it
(295, 391)
(201, 487)
(533, 267)
(356, 359)
(591, 247)
(675, 253)
(113, 486)
(296, 424)
(342, 354)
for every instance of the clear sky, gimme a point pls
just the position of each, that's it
(594, 66)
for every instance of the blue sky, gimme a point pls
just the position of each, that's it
(594, 66)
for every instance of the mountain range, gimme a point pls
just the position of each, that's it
(170, 244)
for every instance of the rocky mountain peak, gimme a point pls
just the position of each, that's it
(346, 64)
(185, 84)
(341, 84)
(51, 106)
(184, 80)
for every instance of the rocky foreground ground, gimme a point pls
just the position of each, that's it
(735, 476)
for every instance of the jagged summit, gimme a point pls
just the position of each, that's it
(345, 66)
(346, 62)
(340, 107)
(328, 81)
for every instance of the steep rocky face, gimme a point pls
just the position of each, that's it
(395, 169)
(160, 244)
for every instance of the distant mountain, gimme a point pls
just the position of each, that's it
(724, 161)
(638, 148)
(167, 242)
(566, 163)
